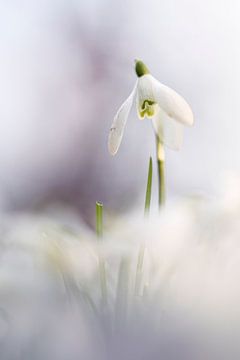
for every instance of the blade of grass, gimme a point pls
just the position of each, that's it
(101, 262)
(148, 189)
(99, 219)
(161, 172)
(140, 259)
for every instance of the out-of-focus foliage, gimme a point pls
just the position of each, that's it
(50, 296)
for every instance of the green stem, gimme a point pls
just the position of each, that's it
(139, 271)
(148, 189)
(99, 219)
(161, 172)
(101, 262)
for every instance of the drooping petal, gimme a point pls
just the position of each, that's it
(119, 122)
(174, 105)
(169, 131)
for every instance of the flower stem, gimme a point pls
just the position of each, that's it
(101, 263)
(161, 172)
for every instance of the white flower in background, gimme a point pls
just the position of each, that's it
(50, 299)
(168, 111)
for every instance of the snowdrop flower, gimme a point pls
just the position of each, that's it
(168, 111)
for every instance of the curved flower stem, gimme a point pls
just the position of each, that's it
(161, 172)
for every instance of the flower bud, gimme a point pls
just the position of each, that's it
(141, 68)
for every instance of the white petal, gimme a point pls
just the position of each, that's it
(119, 122)
(169, 131)
(172, 103)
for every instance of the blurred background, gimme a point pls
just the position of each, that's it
(65, 68)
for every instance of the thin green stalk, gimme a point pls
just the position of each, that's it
(101, 263)
(161, 172)
(149, 188)
(139, 271)
(99, 219)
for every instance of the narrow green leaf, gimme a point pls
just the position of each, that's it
(140, 259)
(149, 188)
(99, 219)
(101, 262)
(161, 173)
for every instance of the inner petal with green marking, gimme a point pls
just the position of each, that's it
(148, 109)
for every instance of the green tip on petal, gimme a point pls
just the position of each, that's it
(141, 68)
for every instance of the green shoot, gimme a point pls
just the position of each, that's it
(139, 271)
(161, 172)
(149, 188)
(102, 270)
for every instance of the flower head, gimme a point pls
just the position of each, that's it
(168, 111)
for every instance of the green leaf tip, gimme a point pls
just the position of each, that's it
(99, 204)
(140, 68)
(99, 219)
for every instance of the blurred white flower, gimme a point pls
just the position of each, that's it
(167, 110)
(50, 298)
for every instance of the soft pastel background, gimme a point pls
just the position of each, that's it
(66, 66)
